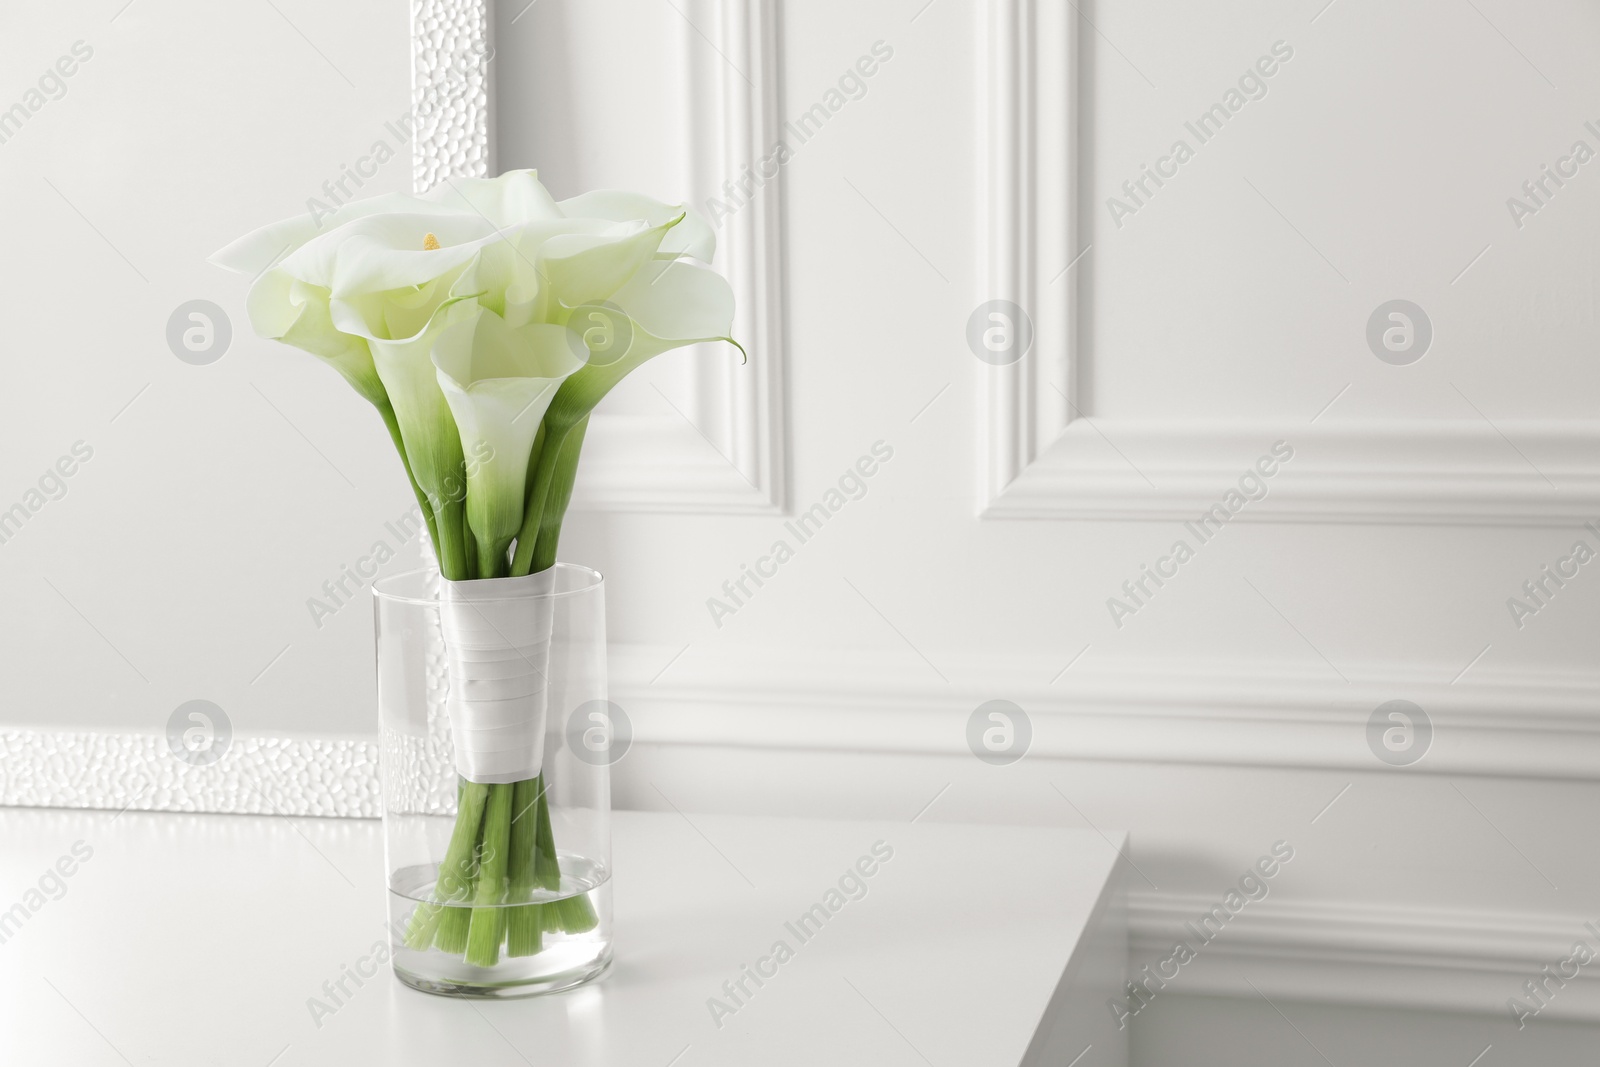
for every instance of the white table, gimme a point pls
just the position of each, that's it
(201, 939)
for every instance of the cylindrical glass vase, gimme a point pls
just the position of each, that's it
(496, 796)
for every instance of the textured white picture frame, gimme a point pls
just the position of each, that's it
(1044, 454)
(735, 119)
(451, 90)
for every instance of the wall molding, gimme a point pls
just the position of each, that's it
(1542, 725)
(1044, 455)
(725, 453)
(1426, 472)
(733, 124)
(1334, 952)
(1030, 188)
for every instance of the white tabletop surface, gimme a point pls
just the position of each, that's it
(202, 939)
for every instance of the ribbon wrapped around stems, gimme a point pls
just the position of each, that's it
(497, 634)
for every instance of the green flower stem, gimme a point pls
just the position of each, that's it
(525, 924)
(456, 872)
(487, 925)
(533, 462)
(555, 508)
(558, 463)
(492, 561)
(546, 868)
(452, 544)
(451, 937)
(570, 914)
(386, 409)
(573, 914)
(508, 824)
(533, 513)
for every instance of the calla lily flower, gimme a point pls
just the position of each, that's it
(256, 251)
(498, 380)
(536, 271)
(586, 268)
(397, 285)
(464, 314)
(279, 309)
(392, 251)
(691, 236)
(668, 304)
(399, 327)
(297, 313)
(517, 196)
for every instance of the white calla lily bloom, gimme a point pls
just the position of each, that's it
(498, 380)
(454, 313)
(668, 304)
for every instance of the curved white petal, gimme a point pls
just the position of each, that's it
(510, 277)
(692, 236)
(678, 300)
(285, 309)
(387, 251)
(498, 381)
(589, 268)
(512, 198)
(515, 197)
(395, 314)
(670, 303)
(405, 366)
(257, 250)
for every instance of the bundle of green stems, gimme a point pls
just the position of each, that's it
(499, 884)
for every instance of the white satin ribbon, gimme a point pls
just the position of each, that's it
(497, 649)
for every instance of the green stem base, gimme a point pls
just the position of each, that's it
(502, 849)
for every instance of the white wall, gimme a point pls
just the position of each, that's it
(205, 518)
(1220, 317)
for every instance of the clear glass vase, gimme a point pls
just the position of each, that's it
(496, 780)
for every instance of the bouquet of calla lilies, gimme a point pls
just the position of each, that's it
(485, 320)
